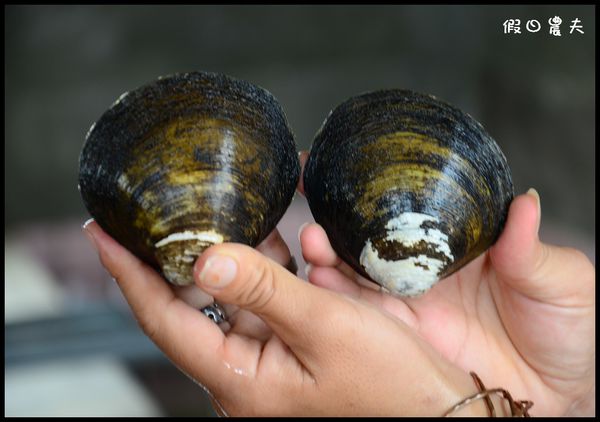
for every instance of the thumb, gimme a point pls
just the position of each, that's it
(239, 275)
(538, 270)
(518, 251)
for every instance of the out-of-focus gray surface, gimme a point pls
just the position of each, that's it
(65, 65)
(98, 386)
(533, 92)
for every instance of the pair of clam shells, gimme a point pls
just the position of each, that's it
(408, 188)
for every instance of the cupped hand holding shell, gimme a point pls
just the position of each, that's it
(408, 188)
(500, 315)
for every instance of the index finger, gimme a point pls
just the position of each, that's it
(184, 334)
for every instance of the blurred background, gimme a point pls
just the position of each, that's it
(71, 344)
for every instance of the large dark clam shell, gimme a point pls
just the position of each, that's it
(185, 162)
(408, 188)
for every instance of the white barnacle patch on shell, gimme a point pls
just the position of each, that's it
(208, 236)
(123, 183)
(407, 229)
(414, 275)
(177, 253)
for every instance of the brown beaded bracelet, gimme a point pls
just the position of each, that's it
(518, 408)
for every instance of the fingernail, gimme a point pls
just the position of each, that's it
(89, 234)
(536, 195)
(87, 223)
(218, 271)
(308, 269)
(300, 230)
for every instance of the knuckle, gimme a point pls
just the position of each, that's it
(106, 261)
(121, 270)
(150, 323)
(540, 262)
(149, 327)
(260, 288)
(581, 258)
(587, 269)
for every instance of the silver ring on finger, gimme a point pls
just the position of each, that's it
(215, 312)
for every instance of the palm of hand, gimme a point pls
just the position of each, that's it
(488, 321)
(460, 318)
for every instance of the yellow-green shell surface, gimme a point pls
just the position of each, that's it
(185, 162)
(408, 188)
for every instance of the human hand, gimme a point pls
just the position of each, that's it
(521, 315)
(291, 348)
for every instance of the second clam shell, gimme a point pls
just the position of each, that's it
(185, 162)
(408, 188)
